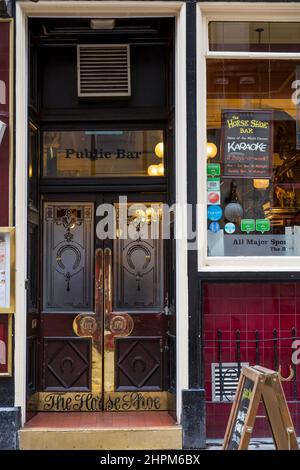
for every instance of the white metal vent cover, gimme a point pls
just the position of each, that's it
(229, 371)
(103, 70)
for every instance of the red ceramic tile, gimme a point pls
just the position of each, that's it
(297, 304)
(287, 306)
(221, 290)
(236, 307)
(252, 290)
(237, 290)
(297, 289)
(222, 322)
(287, 323)
(239, 322)
(287, 290)
(270, 322)
(209, 323)
(271, 306)
(209, 337)
(208, 306)
(271, 290)
(207, 289)
(254, 307)
(220, 307)
(254, 322)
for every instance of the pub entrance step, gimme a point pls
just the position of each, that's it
(101, 431)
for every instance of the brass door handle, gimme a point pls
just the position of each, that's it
(107, 280)
(99, 261)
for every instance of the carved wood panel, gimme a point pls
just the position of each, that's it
(67, 364)
(139, 363)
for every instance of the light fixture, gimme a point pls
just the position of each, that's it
(151, 214)
(156, 170)
(261, 183)
(159, 150)
(2, 130)
(161, 169)
(102, 23)
(211, 150)
(153, 170)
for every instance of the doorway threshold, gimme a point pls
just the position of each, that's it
(101, 431)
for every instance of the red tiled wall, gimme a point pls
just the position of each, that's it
(249, 307)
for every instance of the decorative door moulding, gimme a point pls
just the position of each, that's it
(7, 270)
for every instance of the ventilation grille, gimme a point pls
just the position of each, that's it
(103, 70)
(230, 377)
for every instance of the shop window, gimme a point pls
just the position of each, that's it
(102, 153)
(254, 37)
(253, 147)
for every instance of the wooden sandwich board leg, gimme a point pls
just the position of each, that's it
(277, 411)
(278, 415)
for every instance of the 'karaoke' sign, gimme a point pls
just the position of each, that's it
(247, 143)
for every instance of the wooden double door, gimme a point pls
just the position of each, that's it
(104, 321)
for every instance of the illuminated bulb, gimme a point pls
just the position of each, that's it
(149, 211)
(161, 169)
(211, 150)
(30, 171)
(261, 184)
(153, 170)
(159, 150)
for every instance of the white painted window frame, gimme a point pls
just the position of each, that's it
(233, 11)
(97, 9)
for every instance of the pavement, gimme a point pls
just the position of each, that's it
(255, 444)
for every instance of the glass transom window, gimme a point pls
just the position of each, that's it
(83, 153)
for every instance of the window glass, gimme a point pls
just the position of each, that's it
(68, 255)
(103, 153)
(254, 36)
(253, 158)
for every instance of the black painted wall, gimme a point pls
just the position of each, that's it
(58, 68)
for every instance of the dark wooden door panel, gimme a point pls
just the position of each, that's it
(67, 364)
(57, 324)
(139, 364)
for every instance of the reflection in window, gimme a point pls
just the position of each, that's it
(254, 36)
(103, 153)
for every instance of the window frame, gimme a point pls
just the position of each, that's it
(234, 12)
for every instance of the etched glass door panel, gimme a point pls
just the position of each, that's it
(138, 260)
(68, 257)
